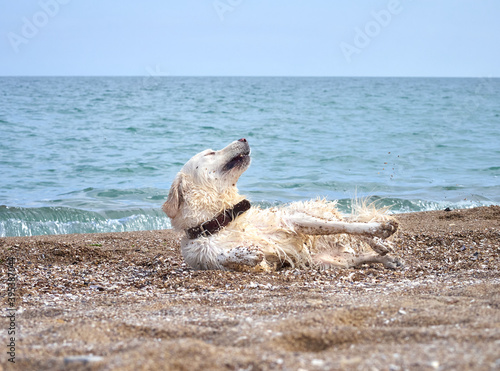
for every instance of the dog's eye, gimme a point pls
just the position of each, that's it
(210, 153)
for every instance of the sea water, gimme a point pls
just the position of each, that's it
(98, 154)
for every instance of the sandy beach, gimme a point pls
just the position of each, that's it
(126, 301)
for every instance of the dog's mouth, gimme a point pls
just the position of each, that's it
(240, 160)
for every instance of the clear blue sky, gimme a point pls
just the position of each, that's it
(250, 37)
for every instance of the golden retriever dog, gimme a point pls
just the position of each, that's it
(223, 231)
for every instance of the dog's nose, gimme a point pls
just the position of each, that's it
(242, 140)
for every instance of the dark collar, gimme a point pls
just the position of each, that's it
(220, 221)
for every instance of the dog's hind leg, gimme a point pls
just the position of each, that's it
(382, 247)
(311, 225)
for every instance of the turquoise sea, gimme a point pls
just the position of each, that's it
(98, 154)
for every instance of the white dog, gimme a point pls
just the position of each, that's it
(222, 230)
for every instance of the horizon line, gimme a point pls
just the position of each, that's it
(267, 76)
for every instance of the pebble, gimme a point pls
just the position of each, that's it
(317, 362)
(84, 359)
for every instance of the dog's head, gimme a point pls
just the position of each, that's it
(206, 185)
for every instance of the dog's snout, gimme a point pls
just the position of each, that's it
(242, 140)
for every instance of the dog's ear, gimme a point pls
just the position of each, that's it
(173, 203)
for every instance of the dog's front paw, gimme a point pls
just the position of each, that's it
(249, 256)
(388, 229)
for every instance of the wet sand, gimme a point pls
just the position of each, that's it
(126, 301)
